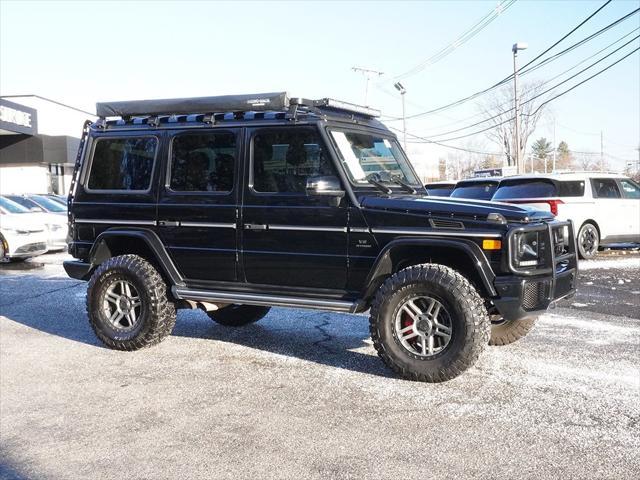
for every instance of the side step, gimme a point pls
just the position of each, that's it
(214, 296)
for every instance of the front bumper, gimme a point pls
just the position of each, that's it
(527, 294)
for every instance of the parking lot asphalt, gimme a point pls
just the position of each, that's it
(301, 394)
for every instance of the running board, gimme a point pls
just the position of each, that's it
(214, 296)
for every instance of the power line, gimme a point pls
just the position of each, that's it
(443, 145)
(542, 93)
(510, 77)
(462, 39)
(543, 103)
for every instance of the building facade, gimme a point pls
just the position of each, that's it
(39, 140)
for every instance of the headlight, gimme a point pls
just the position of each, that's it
(529, 249)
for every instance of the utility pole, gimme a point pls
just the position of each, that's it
(398, 86)
(517, 47)
(601, 152)
(368, 73)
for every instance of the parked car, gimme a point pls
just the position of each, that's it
(476, 188)
(298, 203)
(22, 235)
(605, 208)
(51, 214)
(440, 189)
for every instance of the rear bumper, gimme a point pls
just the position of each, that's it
(525, 297)
(77, 270)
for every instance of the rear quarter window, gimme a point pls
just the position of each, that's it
(122, 164)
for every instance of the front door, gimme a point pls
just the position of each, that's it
(290, 238)
(197, 208)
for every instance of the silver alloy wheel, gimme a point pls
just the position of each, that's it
(588, 240)
(122, 306)
(423, 326)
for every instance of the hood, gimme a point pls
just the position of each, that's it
(26, 222)
(458, 207)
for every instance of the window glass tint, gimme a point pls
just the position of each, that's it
(526, 189)
(122, 163)
(48, 204)
(475, 190)
(26, 203)
(203, 162)
(630, 189)
(605, 188)
(10, 206)
(440, 191)
(571, 189)
(283, 160)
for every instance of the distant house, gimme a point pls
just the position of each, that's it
(38, 143)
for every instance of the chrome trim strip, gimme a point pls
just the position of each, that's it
(115, 222)
(208, 225)
(307, 229)
(418, 231)
(359, 230)
(268, 300)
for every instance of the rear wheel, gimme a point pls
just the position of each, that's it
(238, 315)
(127, 304)
(428, 323)
(588, 241)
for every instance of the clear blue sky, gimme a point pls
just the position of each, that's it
(81, 52)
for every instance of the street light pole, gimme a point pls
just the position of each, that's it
(368, 73)
(516, 47)
(398, 86)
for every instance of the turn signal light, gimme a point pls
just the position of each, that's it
(491, 244)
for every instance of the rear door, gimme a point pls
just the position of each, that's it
(631, 204)
(288, 237)
(197, 208)
(609, 211)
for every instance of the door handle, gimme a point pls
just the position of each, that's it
(168, 223)
(254, 226)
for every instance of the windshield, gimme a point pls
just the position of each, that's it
(364, 154)
(48, 203)
(26, 203)
(11, 207)
(476, 190)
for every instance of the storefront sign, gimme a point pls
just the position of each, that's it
(17, 118)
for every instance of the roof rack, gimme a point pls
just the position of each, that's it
(261, 102)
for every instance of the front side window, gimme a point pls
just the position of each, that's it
(605, 188)
(283, 160)
(203, 162)
(122, 164)
(630, 189)
(364, 154)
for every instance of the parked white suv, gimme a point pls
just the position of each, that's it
(604, 207)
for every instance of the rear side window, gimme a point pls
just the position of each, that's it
(476, 190)
(571, 189)
(122, 163)
(630, 189)
(526, 189)
(605, 188)
(203, 162)
(284, 160)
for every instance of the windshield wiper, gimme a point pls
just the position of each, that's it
(374, 179)
(405, 186)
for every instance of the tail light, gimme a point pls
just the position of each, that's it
(554, 205)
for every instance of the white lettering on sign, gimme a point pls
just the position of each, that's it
(11, 115)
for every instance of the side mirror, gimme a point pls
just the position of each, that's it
(325, 186)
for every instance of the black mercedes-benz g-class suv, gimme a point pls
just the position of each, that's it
(235, 204)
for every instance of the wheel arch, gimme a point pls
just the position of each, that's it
(462, 255)
(137, 241)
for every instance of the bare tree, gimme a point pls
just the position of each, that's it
(499, 107)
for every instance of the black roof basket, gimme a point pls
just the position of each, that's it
(260, 102)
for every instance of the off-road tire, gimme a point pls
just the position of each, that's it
(508, 331)
(157, 317)
(582, 252)
(470, 321)
(238, 315)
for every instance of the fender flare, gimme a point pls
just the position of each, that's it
(100, 250)
(383, 266)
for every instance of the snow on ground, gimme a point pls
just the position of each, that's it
(611, 263)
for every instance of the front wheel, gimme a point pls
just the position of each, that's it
(588, 241)
(127, 304)
(428, 323)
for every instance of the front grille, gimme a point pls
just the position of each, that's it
(535, 295)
